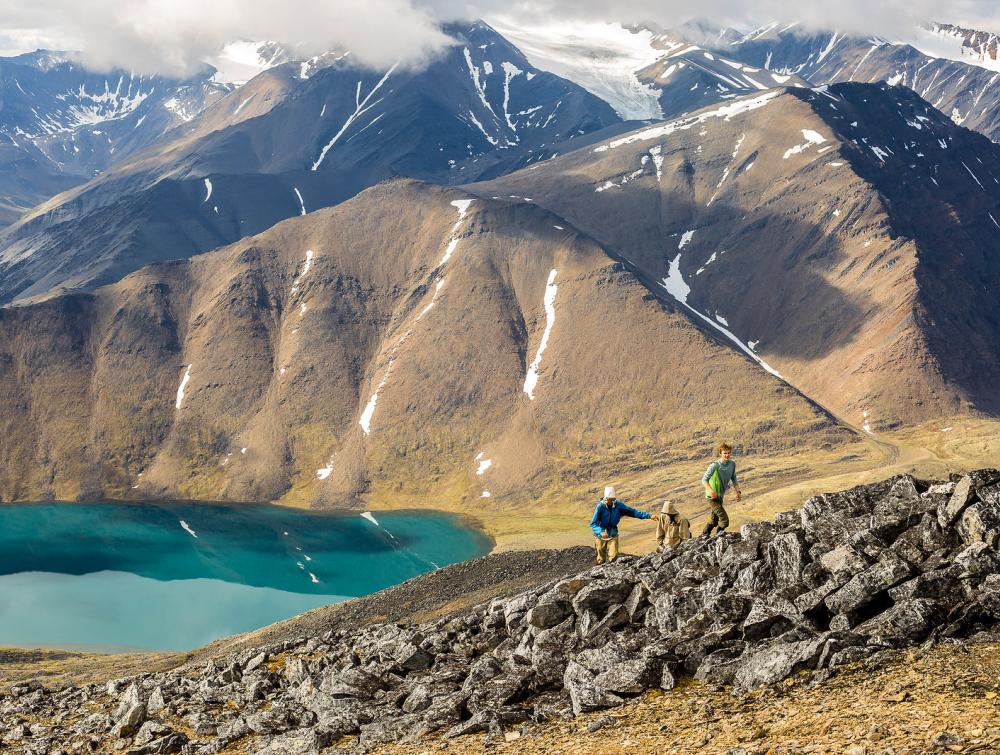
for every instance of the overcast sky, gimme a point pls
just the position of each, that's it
(173, 36)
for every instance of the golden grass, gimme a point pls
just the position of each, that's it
(771, 483)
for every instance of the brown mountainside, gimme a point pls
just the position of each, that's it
(845, 236)
(380, 347)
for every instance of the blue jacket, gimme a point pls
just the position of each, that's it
(607, 518)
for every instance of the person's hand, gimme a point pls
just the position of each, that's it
(604, 535)
(715, 497)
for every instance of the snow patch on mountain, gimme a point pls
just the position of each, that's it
(182, 387)
(726, 112)
(549, 301)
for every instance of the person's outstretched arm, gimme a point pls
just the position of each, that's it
(629, 511)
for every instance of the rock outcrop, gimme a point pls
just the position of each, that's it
(850, 576)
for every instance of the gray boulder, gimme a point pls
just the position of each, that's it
(964, 493)
(599, 595)
(911, 619)
(129, 723)
(978, 520)
(584, 692)
(546, 615)
(630, 677)
(776, 661)
(787, 555)
(862, 588)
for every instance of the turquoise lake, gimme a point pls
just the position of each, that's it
(151, 576)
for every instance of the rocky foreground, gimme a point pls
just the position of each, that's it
(851, 576)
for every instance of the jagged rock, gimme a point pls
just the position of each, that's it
(129, 699)
(599, 595)
(412, 658)
(354, 682)
(963, 493)
(988, 596)
(232, 673)
(934, 584)
(446, 710)
(787, 555)
(637, 600)
(166, 745)
(596, 632)
(584, 693)
(565, 589)
(295, 670)
(274, 720)
(776, 661)
(756, 578)
(550, 651)
(852, 655)
(941, 488)
(156, 701)
(667, 679)
(910, 619)
(630, 677)
(546, 615)
(980, 518)
(978, 560)
(149, 731)
(863, 587)
(256, 662)
(419, 699)
(130, 721)
(721, 666)
(306, 742)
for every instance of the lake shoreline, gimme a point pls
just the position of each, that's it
(168, 576)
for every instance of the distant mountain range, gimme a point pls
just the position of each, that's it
(469, 281)
(60, 124)
(294, 140)
(968, 92)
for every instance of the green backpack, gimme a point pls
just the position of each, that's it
(714, 482)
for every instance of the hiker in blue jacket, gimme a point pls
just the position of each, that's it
(604, 523)
(720, 475)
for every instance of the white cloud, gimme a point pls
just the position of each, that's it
(155, 36)
(172, 37)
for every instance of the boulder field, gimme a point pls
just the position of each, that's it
(847, 577)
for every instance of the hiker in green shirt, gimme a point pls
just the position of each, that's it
(720, 475)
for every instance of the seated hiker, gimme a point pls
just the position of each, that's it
(720, 475)
(671, 528)
(604, 523)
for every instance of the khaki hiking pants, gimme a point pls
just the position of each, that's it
(717, 517)
(607, 550)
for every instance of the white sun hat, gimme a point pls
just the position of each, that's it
(609, 492)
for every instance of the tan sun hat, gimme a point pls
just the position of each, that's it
(669, 508)
(609, 492)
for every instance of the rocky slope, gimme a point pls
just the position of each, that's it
(966, 91)
(412, 344)
(821, 232)
(850, 576)
(296, 138)
(937, 698)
